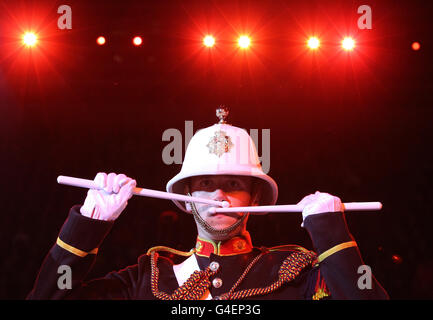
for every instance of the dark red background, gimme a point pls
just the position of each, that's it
(356, 125)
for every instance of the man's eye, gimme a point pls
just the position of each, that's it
(233, 184)
(205, 183)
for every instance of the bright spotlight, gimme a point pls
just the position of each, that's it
(137, 41)
(244, 42)
(313, 43)
(30, 39)
(209, 41)
(348, 44)
(100, 40)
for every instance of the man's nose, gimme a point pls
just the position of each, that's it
(219, 195)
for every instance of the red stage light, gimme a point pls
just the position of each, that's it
(416, 46)
(397, 259)
(313, 43)
(137, 41)
(244, 42)
(100, 40)
(209, 41)
(30, 39)
(348, 44)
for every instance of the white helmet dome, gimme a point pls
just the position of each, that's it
(222, 149)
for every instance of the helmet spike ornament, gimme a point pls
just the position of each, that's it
(222, 113)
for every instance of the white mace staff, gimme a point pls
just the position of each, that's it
(348, 206)
(89, 184)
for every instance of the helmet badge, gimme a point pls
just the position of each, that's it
(220, 143)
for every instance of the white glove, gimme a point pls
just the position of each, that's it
(319, 203)
(107, 204)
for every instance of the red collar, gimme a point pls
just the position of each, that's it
(237, 245)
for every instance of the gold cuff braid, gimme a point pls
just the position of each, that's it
(335, 249)
(73, 250)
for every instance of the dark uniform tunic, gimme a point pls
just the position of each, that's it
(336, 277)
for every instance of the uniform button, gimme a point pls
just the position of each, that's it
(217, 283)
(214, 266)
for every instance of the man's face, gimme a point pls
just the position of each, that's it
(237, 190)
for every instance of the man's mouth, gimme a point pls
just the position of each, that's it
(213, 213)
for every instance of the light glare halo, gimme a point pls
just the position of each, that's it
(313, 43)
(30, 39)
(244, 42)
(209, 41)
(348, 43)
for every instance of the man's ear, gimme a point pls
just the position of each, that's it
(186, 190)
(256, 194)
(187, 186)
(254, 201)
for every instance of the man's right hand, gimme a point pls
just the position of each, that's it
(108, 202)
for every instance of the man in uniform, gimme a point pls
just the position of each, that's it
(221, 163)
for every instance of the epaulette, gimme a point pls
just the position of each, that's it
(170, 250)
(289, 247)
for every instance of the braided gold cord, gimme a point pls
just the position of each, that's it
(193, 289)
(197, 284)
(247, 269)
(290, 269)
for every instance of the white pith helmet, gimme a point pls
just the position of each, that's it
(222, 149)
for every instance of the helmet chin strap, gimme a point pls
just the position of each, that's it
(211, 230)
